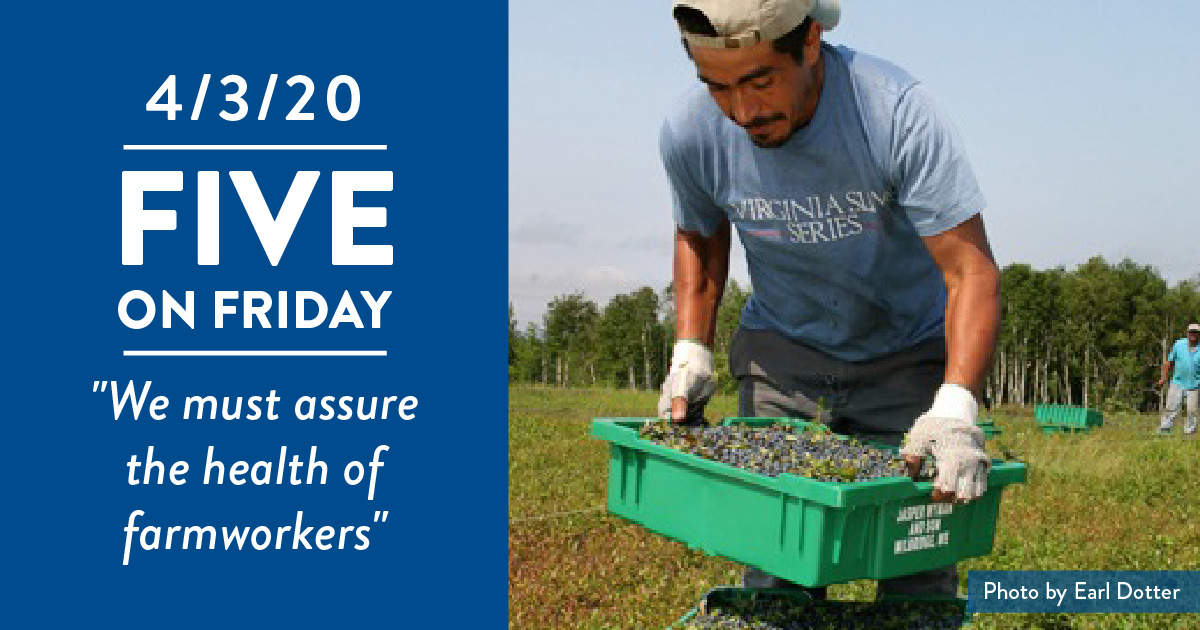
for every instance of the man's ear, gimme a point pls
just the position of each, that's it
(812, 44)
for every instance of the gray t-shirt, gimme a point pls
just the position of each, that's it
(831, 221)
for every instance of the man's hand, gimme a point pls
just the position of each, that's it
(948, 432)
(691, 379)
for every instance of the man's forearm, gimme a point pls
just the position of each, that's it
(972, 301)
(701, 268)
(972, 325)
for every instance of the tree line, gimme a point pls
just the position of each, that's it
(1095, 336)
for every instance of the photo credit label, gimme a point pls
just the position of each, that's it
(1083, 591)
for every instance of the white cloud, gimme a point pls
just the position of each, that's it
(543, 229)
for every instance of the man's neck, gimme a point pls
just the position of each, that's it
(819, 80)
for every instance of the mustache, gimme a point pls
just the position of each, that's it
(762, 121)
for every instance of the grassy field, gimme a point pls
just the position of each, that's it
(1118, 498)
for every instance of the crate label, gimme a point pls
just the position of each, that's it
(924, 527)
(927, 510)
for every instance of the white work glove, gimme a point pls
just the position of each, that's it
(948, 432)
(691, 378)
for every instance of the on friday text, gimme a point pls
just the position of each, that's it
(1082, 592)
(258, 309)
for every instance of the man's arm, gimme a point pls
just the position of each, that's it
(1168, 365)
(701, 268)
(947, 431)
(972, 301)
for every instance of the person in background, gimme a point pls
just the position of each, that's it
(1182, 368)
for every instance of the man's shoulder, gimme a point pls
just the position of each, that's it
(693, 121)
(874, 76)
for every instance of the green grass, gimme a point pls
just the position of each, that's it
(1117, 498)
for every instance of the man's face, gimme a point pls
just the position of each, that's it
(767, 93)
(1193, 337)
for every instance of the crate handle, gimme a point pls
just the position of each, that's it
(838, 525)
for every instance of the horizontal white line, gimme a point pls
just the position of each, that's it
(255, 147)
(255, 353)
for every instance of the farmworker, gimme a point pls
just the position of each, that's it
(875, 296)
(1183, 367)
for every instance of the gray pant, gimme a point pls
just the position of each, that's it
(872, 400)
(1175, 398)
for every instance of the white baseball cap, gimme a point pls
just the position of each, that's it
(743, 23)
(1194, 328)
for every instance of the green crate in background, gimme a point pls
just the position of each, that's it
(1068, 415)
(809, 532)
(726, 595)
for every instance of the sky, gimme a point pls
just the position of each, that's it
(1081, 121)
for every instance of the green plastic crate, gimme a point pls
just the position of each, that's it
(724, 595)
(1068, 415)
(810, 532)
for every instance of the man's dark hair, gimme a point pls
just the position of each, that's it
(695, 22)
